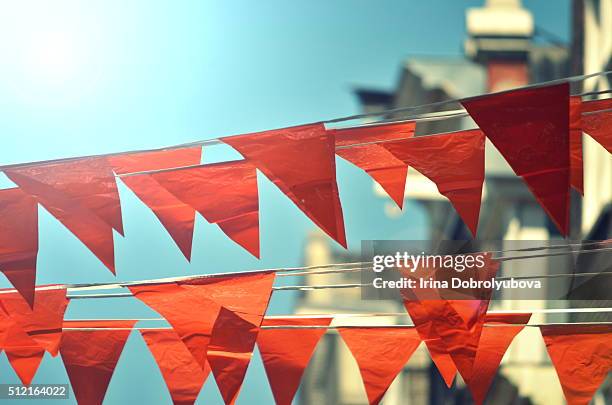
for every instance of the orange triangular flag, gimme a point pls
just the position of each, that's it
(181, 372)
(191, 315)
(23, 353)
(494, 342)
(381, 353)
(224, 193)
(530, 128)
(88, 182)
(301, 162)
(176, 217)
(25, 361)
(192, 306)
(455, 162)
(90, 356)
(286, 353)
(82, 195)
(378, 162)
(19, 240)
(457, 322)
(582, 356)
(436, 347)
(43, 323)
(244, 300)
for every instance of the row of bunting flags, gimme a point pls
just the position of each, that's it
(217, 321)
(537, 130)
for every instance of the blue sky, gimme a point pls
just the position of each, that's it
(80, 78)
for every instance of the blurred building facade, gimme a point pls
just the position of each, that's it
(504, 49)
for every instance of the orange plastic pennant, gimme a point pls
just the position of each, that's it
(191, 316)
(301, 162)
(582, 356)
(436, 347)
(192, 306)
(87, 182)
(493, 344)
(82, 195)
(286, 353)
(19, 240)
(91, 355)
(43, 323)
(457, 322)
(177, 217)
(372, 157)
(183, 375)
(455, 162)
(381, 353)
(23, 353)
(224, 193)
(530, 128)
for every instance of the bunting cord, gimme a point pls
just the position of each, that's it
(427, 116)
(595, 93)
(529, 249)
(451, 114)
(459, 100)
(327, 269)
(592, 310)
(359, 285)
(186, 278)
(597, 112)
(335, 327)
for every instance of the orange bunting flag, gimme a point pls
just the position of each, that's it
(597, 121)
(457, 322)
(493, 344)
(301, 162)
(381, 353)
(286, 353)
(229, 352)
(86, 182)
(181, 372)
(244, 301)
(191, 315)
(387, 170)
(530, 128)
(576, 164)
(175, 216)
(19, 240)
(582, 356)
(82, 195)
(43, 323)
(455, 162)
(23, 353)
(224, 193)
(436, 347)
(91, 355)
(199, 308)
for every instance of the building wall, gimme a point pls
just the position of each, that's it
(597, 57)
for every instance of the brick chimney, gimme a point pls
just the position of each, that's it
(499, 37)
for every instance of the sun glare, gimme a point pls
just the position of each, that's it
(50, 59)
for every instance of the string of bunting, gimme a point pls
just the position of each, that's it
(589, 247)
(537, 129)
(216, 320)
